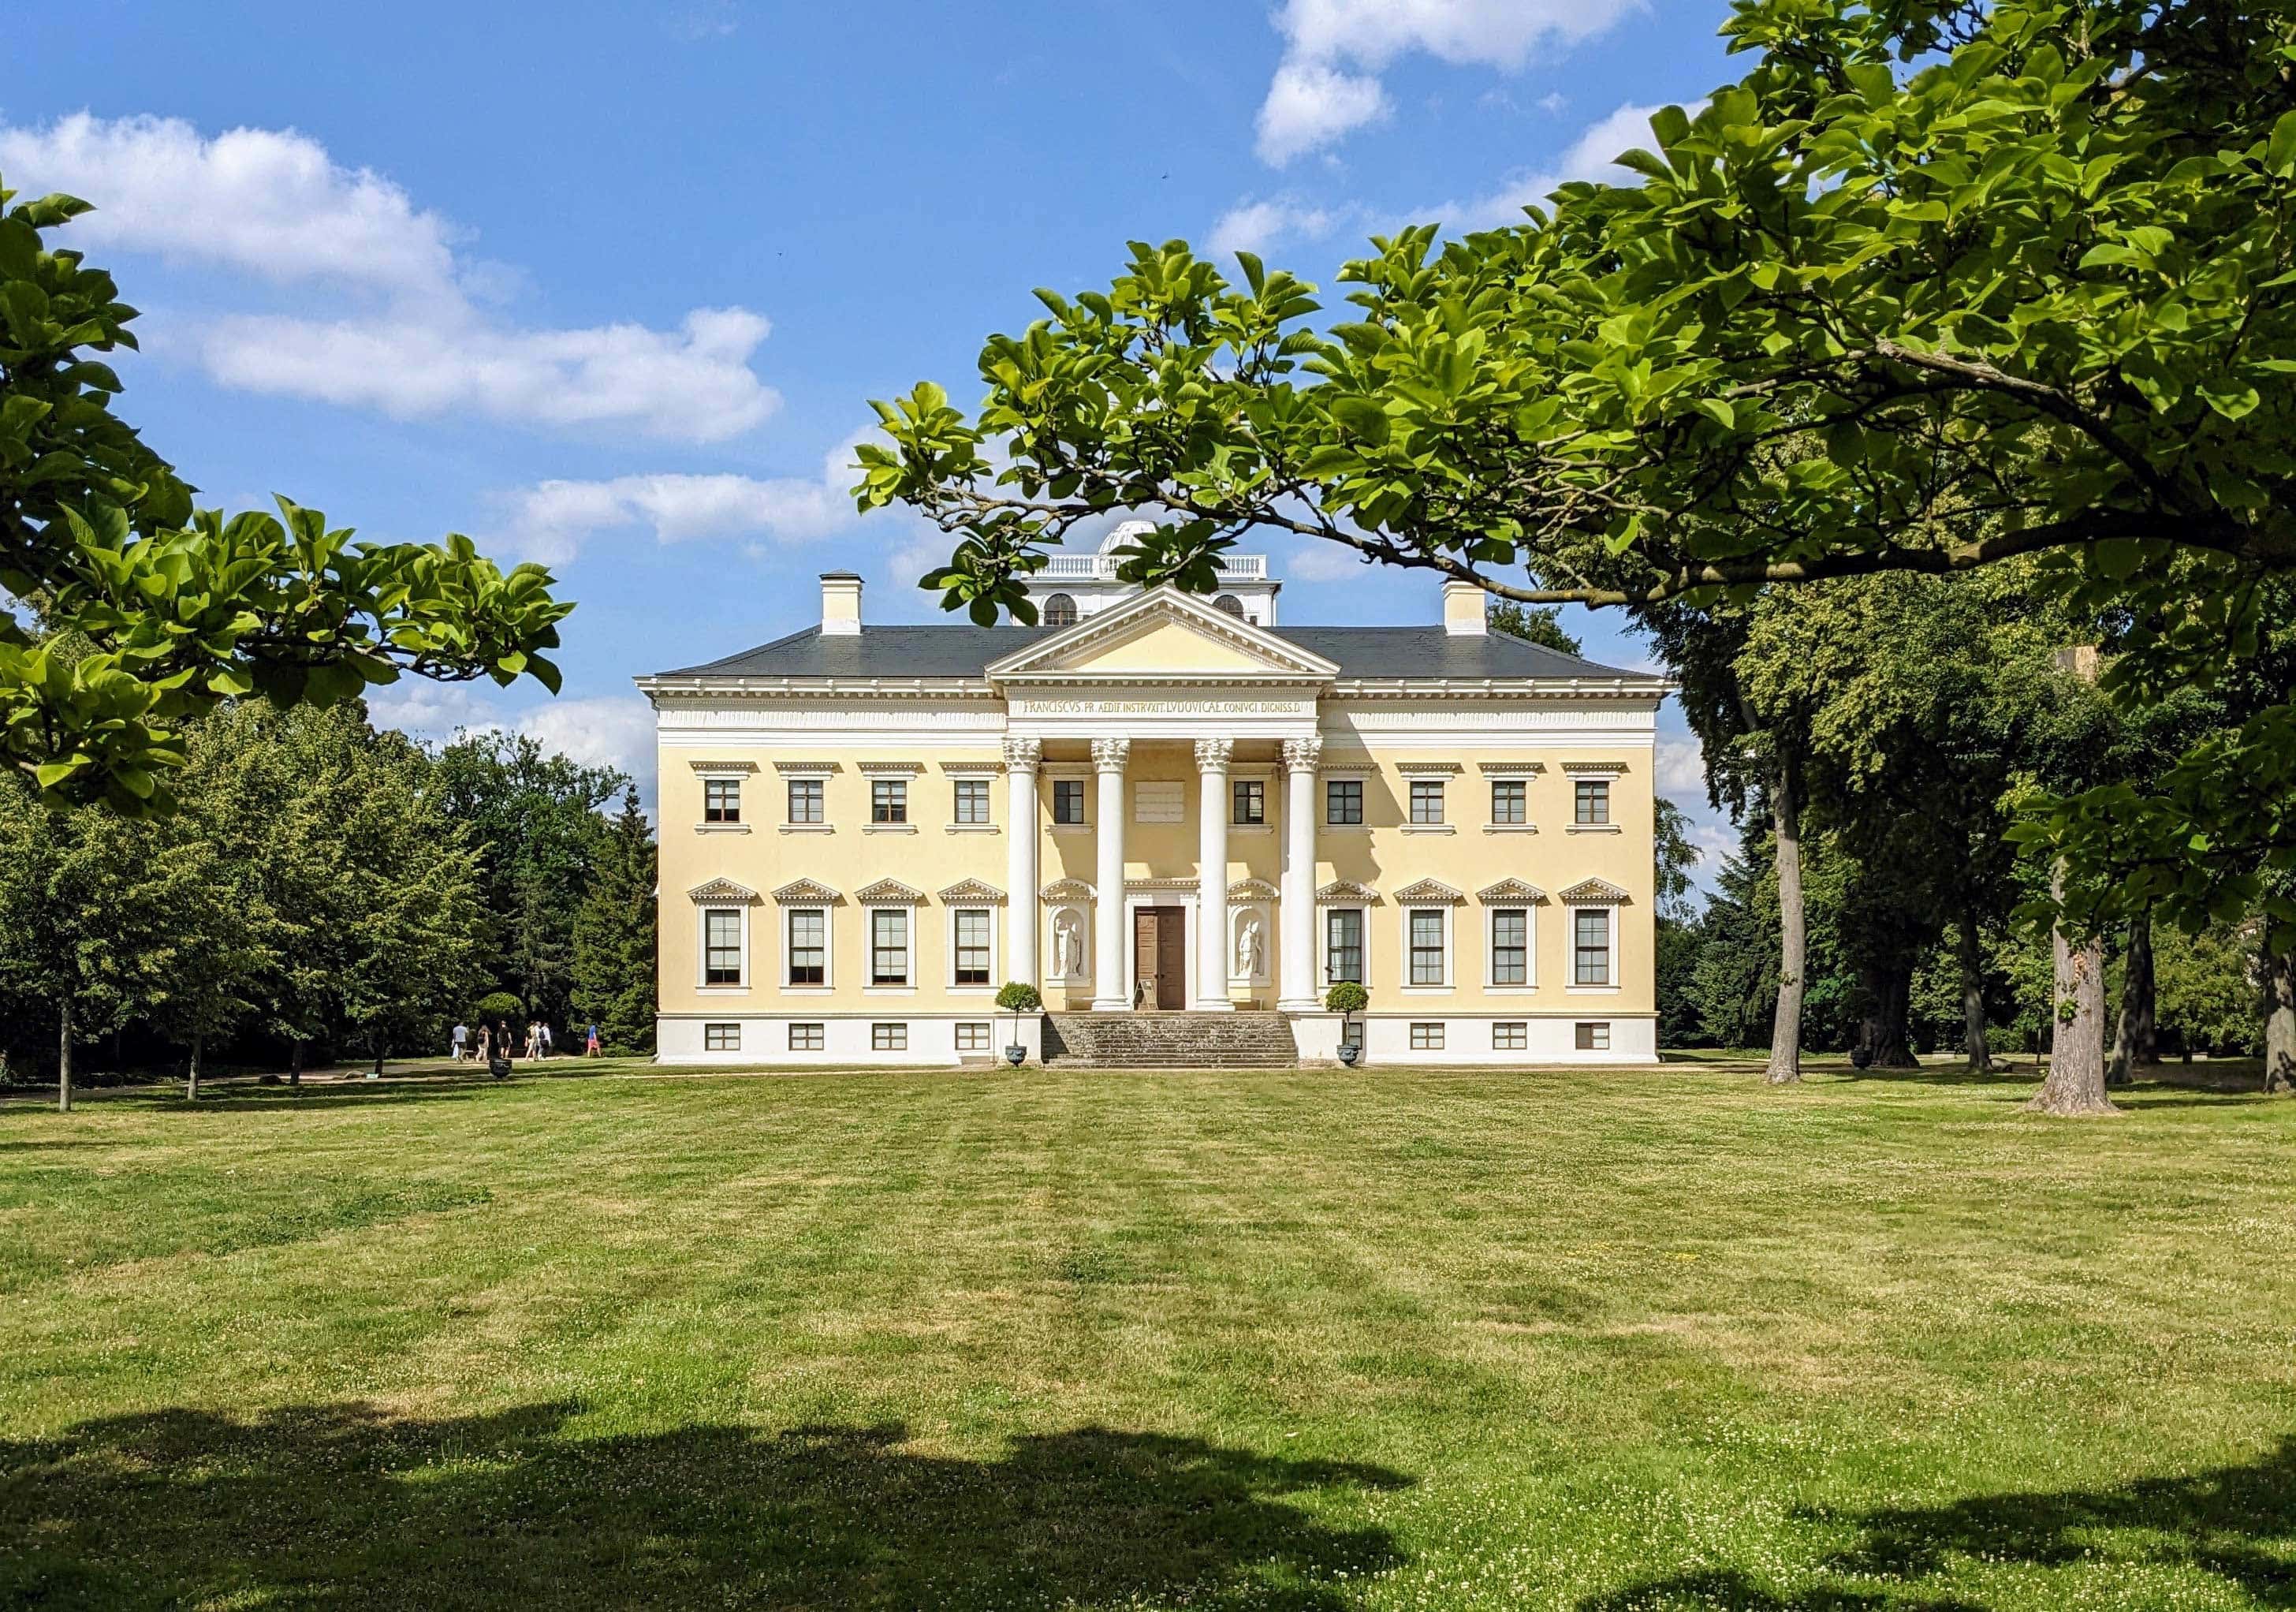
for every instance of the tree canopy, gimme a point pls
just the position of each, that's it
(146, 612)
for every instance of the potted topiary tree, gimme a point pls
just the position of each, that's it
(1016, 998)
(1347, 999)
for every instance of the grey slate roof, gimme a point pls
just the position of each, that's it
(964, 651)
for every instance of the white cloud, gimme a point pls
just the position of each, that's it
(1260, 227)
(549, 520)
(1319, 561)
(1592, 156)
(1314, 98)
(1680, 767)
(272, 206)
(606, 731)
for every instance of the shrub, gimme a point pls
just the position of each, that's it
(1347, 997)
(499, 1005)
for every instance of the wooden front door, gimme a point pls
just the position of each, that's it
(1160, 957)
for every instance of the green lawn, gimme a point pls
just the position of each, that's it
(1393, 1340)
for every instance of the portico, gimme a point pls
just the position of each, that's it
(1186, 688)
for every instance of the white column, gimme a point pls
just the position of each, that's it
(1211, 875)
(1021, 919)
(1108, 759)
(1297, 993)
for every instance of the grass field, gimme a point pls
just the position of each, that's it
(1316, 1340)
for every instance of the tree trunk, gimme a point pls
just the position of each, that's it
(2280, 1022)
(1883, 1031)
(2137, 1040)
(192, 1085)
(1971, 956)
(2075, 1084)
(63, 1060)
(295, 1062)
(1786, 1026)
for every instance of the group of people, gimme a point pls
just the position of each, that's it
(495, 1041)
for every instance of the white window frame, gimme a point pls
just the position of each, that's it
(1610, 952)
(828, 950)
(996, 960)
(1324, 942)
(986, 1029)
(1450, 981)
(956, 788)
(701, 949)
(1529, 948)
(870, 987)
(1520, 780)
(789, 801)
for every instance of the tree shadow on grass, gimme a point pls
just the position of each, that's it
(341, 1505)
(2236, 1524)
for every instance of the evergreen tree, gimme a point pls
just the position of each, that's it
(614, 935)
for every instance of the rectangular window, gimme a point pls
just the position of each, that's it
(1426, 947)
(889, 800)
(721, 800)
(972, 1038)
(972, 801)
(1426, 800)
(1511, 1035)
(1250, 803)
(1343, 946)
(1343, 800)
(1593, 801)
(888, 946)
(1511, 946)
(1068, 800)
(808, 948)
(805, 801)
(721, 1038)
(721, 962)
(972, 945)
(1591, 930)
(1593, 1038)
(1510, 800)
(808, 1038)
(1426, 1038)
(888, 1038)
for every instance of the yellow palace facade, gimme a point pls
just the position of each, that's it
(1155, 804)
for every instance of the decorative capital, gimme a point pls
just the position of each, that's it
(1109, 755)
(1022, 755)
(1302, 755)
(1213, 755)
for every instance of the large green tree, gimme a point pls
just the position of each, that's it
(133, 613)
(614, 936)
(1936, 284)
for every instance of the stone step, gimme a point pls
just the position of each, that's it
(1158, 1040)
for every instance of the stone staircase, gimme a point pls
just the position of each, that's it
(1170, 1041)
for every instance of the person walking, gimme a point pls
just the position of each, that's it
(486, 1043)
(458, 1043)
(590, 1047)
(547, 1047)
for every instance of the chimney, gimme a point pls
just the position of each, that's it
(841, 604)
(1463, 608)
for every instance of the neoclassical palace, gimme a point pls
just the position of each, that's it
(1155, 803)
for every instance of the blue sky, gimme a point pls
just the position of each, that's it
(611, 285)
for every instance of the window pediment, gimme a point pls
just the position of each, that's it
(889, 893)
(1429, 892)
(807, 891)
(722, 892)
(1510, 891)
(973, 892)
(1066, 890)
(1252, 890)
(1593, 892)
(1346, 892)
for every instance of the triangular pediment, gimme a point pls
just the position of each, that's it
(805, 891)
(1163, 635)
(723, 891)
(1593, 892)
(1345, 892)
(889, 893)
(1510, 890)
(1429, 892)
(973, 891)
